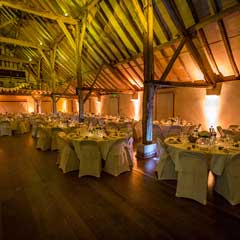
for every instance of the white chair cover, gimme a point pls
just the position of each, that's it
(68, 159)
(89, 156)
(44, 140)
(165, 168)
(228, 184)
(130, 151)
(54, 135)
(220, 130)
(137, 130)
(61, 141)
(5, 128)
(117, 160)
(192, 176)
(157, 133)
(21, 127)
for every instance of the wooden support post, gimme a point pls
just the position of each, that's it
(147, 149)
(53, 76)
(148, 94)
(39, 84)
(79, 45)
(37, 102)
(54, 103)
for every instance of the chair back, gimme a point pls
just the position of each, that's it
(192, 162)
(228, 132)
(233, 167)
(117, 147)
(220, 130)
(233, 126)
(157, 133)
(87, 150)
(137, 130)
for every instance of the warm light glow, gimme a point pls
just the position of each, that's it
(65, 14)
(198, 75)
(64, 106)
(30, 59)
(77, 105)
(211, 110)
(136, 107)
(40, 42)
(98, 107)
(30, 108)
(225, 70)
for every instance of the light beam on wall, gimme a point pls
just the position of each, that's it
(77, 105)
(98, 106)
(30, 108)
(64, 106)
(135, 101)
(211, 110)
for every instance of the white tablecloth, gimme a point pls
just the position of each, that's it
(218, 159)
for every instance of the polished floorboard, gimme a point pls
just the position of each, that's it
(38, 201)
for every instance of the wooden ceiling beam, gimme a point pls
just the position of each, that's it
(201, 60)
(140, 14)
(67, 34)
(93, 83)
(225, 39)
(117, 90)
(38, 12)
(203, 38)
(44, 57)
(213, 18)
(173, 59)
(159, 47)
(22, 43)
(195, 84)
(4, 24)
(16, 60)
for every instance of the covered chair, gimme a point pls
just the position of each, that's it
(44, 139)
(21, 127)
(157, 133)
(54, 142)
(233, 126)
(228, 132)
(137, 130)
(228, 184)
(129, 151)
(68, 160)
(5, 128)
(192, 176)
(89, 156)
(165, 168)
(117, 160)
(220, 130)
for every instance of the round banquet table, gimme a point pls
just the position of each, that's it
(218, 159)
(104, 143)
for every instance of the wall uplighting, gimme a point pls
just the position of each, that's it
(77, 105)
(211, 110)
(98, 106)
(64, 105)
(30, 108)
(135, 101)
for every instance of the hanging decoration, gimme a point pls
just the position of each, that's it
(14, 89)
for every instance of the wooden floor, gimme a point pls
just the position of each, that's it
(38, 201)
